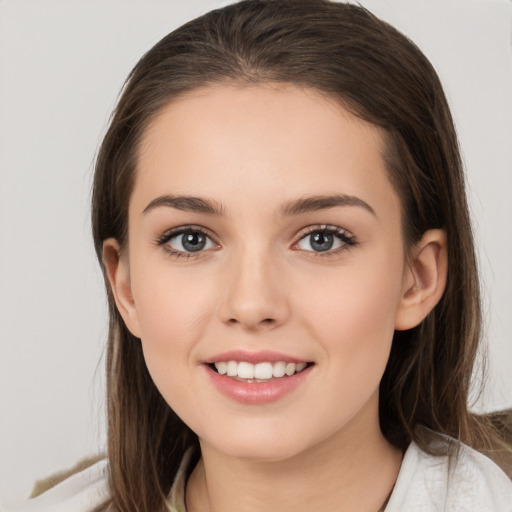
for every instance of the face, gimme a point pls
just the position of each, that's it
(265, 267)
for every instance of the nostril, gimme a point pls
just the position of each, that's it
(265, 321)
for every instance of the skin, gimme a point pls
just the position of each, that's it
(259, 285)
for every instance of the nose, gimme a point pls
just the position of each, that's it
(254, 292)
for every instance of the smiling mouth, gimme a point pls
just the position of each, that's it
(244, 371)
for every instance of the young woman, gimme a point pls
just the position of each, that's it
(279, 211)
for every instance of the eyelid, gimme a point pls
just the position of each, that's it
(163, 239)
(346, 237)
(348, 240)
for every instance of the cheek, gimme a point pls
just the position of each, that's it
(173, 313)
(354, 325)
(352, 310)
(167, 298)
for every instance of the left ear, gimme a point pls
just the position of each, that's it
(424, 279)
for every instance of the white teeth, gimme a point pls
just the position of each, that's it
(279, 369)
(245, 370)
(290, 369)
(300, 366)
(222, 367)
(263, 370)
(232, 369)
(259, 371)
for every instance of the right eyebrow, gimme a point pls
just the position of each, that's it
(310, 204)
(186, 203)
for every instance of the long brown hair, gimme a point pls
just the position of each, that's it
(347, 53)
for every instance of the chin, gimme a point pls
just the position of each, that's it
(262, 452)
(263, 443)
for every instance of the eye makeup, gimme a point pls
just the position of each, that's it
(191, 241)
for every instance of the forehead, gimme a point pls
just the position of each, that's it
(232, 142)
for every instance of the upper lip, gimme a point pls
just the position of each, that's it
(260, 356)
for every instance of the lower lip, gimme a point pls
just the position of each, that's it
(257, 392)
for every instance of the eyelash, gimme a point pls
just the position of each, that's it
(164, 239)
(347, 240)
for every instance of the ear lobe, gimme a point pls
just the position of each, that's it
(424, 279)
(118, 274)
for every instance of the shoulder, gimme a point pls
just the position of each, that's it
(464, 482)
(81, 492)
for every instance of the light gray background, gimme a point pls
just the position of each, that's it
(62, 64)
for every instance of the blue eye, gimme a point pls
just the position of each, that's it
(186, 240)
(325, 239)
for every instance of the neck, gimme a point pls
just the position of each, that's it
(353, 470)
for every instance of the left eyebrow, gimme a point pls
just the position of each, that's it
(186, 203)
(316, 203)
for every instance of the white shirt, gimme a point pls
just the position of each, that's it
(425, 483)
